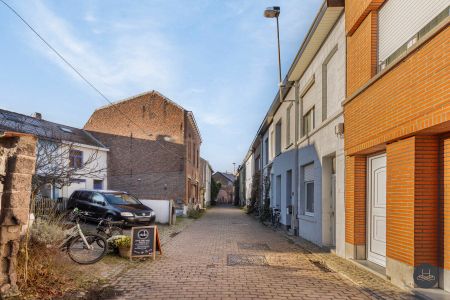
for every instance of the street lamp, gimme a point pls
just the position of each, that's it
(274, 12)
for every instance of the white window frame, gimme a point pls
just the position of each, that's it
(307, 213)
(288, 126)
(312, 113)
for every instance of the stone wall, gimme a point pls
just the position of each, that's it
(17, 165)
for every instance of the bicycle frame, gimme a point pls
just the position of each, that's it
(74, 232)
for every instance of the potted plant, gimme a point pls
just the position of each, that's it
(123, 243)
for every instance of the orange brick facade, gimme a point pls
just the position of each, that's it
(403, 111)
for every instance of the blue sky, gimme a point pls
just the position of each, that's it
(216, 58)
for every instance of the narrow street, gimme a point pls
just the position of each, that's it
(229, 255)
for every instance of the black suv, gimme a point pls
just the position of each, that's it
(113, 205)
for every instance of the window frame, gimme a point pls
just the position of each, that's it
(288, 126)
(310, 113)
(309, 213)
(278, 132)
(98, 180)
(73, 157)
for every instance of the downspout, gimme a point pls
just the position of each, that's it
(298, 111)
(261, 176)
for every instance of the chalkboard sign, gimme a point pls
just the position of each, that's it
(145, 241)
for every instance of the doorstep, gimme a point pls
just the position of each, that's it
(431, 294)
(371, 267)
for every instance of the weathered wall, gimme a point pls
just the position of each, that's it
(17, 166)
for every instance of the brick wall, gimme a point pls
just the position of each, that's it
(400, 200)
(362, 57)
(192, 162)
(147, 159)
(356, 11)
(413, 96)
(355, 200)
(444, 208)
(412, 200)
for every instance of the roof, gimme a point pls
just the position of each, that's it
(228, 176)
(12, 121)
(140, 95)
(329, 13)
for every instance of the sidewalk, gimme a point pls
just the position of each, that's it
(372, 284)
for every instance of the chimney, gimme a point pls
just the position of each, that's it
(37, 115)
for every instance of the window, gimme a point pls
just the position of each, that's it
(288, 126)
(308, 194)
(278, 138)
(98, 184)
(272, 144)
(308, 122)
(402, 23)
(65, 129)
(75, 159)
(198, 154)
(309, 198)
(98, 198)
(266, 151)
(85, 196)
(121, 199)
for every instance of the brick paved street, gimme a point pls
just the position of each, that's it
(229, 255)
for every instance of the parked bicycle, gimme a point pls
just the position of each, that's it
(109, 228)
(83, 248)
(276, 215)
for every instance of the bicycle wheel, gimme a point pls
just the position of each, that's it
(115, 230)
(84, 254)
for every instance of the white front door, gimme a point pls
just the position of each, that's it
(376, 209)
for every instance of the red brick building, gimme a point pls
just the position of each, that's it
(156, 154)
(397, 125)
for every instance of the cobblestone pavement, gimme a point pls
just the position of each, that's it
(229, 255)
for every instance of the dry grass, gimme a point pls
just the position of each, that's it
(50, 274)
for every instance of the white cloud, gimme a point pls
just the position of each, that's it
(130, 62)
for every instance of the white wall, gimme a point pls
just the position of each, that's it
(162, 209)
(286, 160)
(249, 172)
(99, 164)
(322, 143)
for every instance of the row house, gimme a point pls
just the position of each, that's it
(376, 191)
(205, 183)
(397, 137)
(245, 174)
(67, 158)
(297, 149)
(156, 154)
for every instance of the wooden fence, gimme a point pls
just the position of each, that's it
(46, 206)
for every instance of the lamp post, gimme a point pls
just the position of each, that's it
(274, 12)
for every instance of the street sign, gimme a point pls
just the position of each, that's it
(145, 242)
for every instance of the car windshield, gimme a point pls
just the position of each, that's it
(120, 199)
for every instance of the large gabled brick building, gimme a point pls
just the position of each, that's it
(156, 154)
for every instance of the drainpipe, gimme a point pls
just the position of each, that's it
(298, 111)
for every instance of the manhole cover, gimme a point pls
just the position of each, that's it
(246, 260)
(253, 246)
